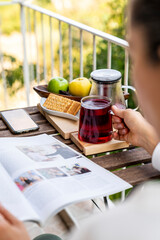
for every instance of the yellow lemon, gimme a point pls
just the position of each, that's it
(80, 87)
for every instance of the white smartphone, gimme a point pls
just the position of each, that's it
(18, 121)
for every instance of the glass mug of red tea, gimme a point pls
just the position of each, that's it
(95, 122)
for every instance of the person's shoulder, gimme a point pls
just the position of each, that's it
(156, 157)
(140, 211)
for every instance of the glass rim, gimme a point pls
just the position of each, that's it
(95, 97)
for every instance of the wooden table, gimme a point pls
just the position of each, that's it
(133, 165)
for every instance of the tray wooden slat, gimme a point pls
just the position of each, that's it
(63, 125)
(138, 174)
(43, 128)
(38, 118)
(29, 110)
(2, 125)
(65, 141)
(123, 159)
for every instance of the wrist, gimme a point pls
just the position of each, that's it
(150, 140)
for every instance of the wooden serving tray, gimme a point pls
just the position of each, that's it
(89, 148)
(63, 125)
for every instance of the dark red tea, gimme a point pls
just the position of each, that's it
(95, 124)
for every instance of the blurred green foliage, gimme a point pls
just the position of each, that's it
(106, 15)
(13, 74)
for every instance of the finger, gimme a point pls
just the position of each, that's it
(116, 119)
(118, 126)
(8, 216)
(118, 112)
(123, 131)
(1, 218)
(122, 137)
(115, 135)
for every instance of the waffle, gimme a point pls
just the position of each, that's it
(61, 104)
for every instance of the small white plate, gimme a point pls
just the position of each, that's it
(57, 113)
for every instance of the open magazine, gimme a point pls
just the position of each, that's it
(39, 176)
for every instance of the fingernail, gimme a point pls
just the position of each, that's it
(114, 106)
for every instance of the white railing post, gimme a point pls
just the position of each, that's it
(126, 71)
(44, 50)
(94, 52)
(126, 68)
(60, 50)
(37, 49)
(31, 66)
(70, 54)
(3, 73)
(4, 80)
(109, 55)
(81, 53)
(51, 46)
(25, 61)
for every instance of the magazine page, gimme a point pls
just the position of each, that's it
(52, 175)
(22, 157)
(13, 200)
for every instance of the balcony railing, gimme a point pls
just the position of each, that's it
(28, 19)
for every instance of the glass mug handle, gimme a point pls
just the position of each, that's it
(134, 90)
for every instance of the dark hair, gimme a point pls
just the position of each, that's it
(146, 14)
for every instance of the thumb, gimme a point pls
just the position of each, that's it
(118, 112)
(7, 215)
